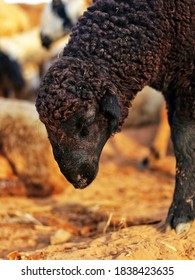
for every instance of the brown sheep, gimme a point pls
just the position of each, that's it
(117, 48)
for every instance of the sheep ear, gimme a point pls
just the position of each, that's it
(111, 110)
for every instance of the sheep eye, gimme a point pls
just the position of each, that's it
(79, 125)
(84, 132)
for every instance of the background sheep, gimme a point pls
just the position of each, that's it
(25, 45)
(115, 50)
(12, 19)
(26, 160)
(33, 11)
(58, 17)
(11, 77)
(20, 17)
(20, 41)
(145, 109)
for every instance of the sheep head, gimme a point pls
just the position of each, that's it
(80, 114)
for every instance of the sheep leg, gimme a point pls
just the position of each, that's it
(182, 210)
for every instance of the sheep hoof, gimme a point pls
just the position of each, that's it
(182, 227)
(150, 160)
(145, 163)
(179, 229)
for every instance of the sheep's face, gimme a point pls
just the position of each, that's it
(80, 110)
(79, 140)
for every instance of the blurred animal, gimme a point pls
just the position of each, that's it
(117, 48)
(20, 17)
(27, 166)
(159, 147)
(33, 11)
(149, 107)
(12, 19)
(12, 81)
(26, 48)
(58, 17)
(20, 42)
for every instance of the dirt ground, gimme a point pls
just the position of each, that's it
(119, 216)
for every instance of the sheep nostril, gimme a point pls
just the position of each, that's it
(81, 180)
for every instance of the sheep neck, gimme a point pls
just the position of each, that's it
(130, 44)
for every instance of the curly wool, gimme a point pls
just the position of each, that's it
(122, 45)
(62, 95)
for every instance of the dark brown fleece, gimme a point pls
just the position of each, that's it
(133, 43)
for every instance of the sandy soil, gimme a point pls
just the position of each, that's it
(119, 216)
